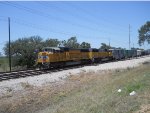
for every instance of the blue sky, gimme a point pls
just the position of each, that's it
(93, 22)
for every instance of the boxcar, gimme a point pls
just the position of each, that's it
(139, 52)
(117, 54)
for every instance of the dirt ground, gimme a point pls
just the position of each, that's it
(85, 93)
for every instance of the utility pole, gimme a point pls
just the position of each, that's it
(129, 36)
(9, 43)
(109, 42)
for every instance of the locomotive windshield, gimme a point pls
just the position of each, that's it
(51, 49)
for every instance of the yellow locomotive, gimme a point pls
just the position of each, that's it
(52, 57)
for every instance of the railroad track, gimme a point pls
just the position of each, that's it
(35, 72)
(21, 74)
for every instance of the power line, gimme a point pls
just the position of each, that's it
(33, 11)
(77, 16)
(74, 15)
(2, 18)
(45, 28)
(40, 13)
(94, 16)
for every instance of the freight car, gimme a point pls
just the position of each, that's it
(147, 52)
(53, 57)
(119, 54)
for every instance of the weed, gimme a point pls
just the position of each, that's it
(9, 89)
(128, 68)
(26, 85)
(117, 70)
(146, 63)
(133, 87)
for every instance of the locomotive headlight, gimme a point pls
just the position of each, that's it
(45, 58)
(42, 57)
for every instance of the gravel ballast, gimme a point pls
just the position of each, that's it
(44, 79)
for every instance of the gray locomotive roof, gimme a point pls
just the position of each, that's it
(55, 48)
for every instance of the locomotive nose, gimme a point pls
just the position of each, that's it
(44, 58)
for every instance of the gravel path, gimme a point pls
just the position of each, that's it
(41, 80)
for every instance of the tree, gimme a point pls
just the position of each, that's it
(22, 50)
(71, 43)
(85, 45)
(51, 43)
(104, 46)
(62, 43)
(144, 33)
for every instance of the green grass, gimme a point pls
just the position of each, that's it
(4, 64)
(138, 85)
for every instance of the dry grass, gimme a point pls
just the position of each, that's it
(144, 109)
(26, 85)
(86, 93)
